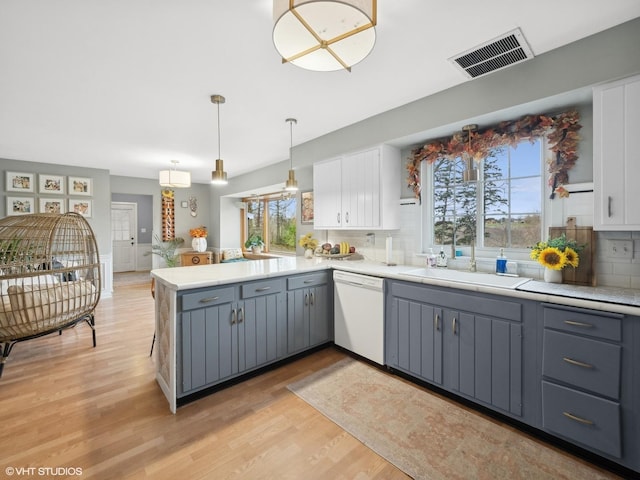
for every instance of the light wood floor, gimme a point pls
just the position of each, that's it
(66, 404)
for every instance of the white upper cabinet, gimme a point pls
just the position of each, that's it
(616, 155)
(359, 190)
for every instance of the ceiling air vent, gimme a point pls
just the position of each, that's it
(496, 54)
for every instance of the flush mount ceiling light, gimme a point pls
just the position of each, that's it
(291, 184)
(218, 176)
(324, 35)
(174, 178)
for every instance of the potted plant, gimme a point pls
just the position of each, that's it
(556, 254)
(255, 243)
(167, 250)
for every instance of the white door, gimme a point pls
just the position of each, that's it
(123, 236)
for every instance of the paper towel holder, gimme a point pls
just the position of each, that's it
(389, 252)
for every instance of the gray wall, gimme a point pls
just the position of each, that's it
(100, 220)
(183, 219)
(608, 55)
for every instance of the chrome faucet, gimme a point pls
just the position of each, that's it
(472, 262)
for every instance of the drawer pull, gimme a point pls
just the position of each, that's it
(576, 362)
(263, 289)
(308, 281)
(577, 419)
(208, 299)
(573, 323)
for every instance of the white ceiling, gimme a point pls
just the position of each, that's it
(125, 85)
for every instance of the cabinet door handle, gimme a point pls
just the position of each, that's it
(609, 200)
(338, 217)
(306, 299)
(577, 419)
(346, 217)
(208, 299)
(576, 362)
(453, 326)
(263, 289)
(436, 321)
(311, 298)
(234, 316)
(573, 323)
(240, 315)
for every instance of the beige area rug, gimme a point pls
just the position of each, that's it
(426, 436)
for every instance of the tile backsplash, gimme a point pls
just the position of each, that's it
(610, 270)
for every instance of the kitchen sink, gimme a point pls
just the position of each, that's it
(476, 278)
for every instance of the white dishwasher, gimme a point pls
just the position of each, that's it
(359, 314)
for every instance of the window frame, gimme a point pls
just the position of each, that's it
(265, 199)
(547, 212)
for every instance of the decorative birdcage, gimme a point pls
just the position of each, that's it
(49, 276)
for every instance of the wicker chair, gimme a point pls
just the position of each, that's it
(49, 276)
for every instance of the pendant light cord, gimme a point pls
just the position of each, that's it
(219, 130)
(291, 121)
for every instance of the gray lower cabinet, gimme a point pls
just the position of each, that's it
(572, 372)
(226, 331)
(583, 367)
(469, 344)
(309, 314)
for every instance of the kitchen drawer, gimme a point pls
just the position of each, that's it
(207, 298)
(582, 362)
(308, 280)
(587, 322)
(267, 287)
(582, 417)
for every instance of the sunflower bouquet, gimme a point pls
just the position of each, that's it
(557, 253)
(308, 242)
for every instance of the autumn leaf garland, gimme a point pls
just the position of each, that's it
(561, 131)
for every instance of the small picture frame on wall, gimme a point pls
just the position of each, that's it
(306, 207)
(51, 205)
(20, 205)
(51, 184)
(80, 186)
(19, 182)
(81, 206)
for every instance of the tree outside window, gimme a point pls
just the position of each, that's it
(501, 209)
(273, 217)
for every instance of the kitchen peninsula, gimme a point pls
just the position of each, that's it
(257, 313)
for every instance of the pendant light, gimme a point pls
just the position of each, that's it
(470, 173)
(324, 35)
(218, 176)
(174, 178)
(291, 184)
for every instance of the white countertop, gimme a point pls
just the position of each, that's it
(609, 299)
